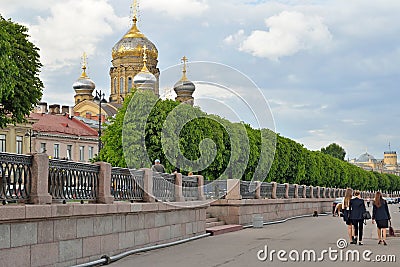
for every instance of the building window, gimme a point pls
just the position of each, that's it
(121, 85)
(115, 85)
(129, 84)
(56, 151)
(2, 143)
(82, 153)
(19, 145)
(91, 152)
(69, 152)
(43, 148)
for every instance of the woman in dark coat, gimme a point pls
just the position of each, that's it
(357, 208)
(380, 214)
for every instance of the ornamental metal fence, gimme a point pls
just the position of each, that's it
(248, 189)
(266, 190)
(215, 189)
(73, 180)
(315, 191)
(164, 186)
(308, 192)
(190, 187)
(127, 184)
(300, 191)
(280, 191)
(292, 189)
(15, 177)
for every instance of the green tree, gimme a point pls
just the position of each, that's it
(335, 151)
(20, 86)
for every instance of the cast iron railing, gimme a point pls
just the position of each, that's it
(300, 191)
(127, 184)
(215, 189)
(280, 190)
(73, 180)
(291, 190)
(266, 190)
(164, 186)
(308, 192)
(190, 187)
(15, 177)
(248, 189)
(315, 192)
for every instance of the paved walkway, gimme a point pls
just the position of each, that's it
(239, 249)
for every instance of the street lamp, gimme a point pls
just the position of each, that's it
(31, 134)
(100, 99)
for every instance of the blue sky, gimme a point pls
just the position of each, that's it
(328, 69)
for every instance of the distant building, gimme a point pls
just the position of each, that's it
(62, 136)
(388, 164)
(16, 138)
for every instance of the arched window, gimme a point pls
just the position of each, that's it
(115, 85)
(121, 85)
(129, 84)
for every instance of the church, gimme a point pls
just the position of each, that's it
(134, 67)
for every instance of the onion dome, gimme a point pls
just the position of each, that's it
(132, 43)
(145, 80)
(184, 88)
(84, 82)
(83, 86)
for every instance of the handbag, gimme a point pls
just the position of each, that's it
(391, 230)
(366, 215)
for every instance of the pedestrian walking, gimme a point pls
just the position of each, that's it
(380, 215)
(357, 208)
(346, 212)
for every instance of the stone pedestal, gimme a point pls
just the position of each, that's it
(148, 195)
(233, 189)
(200, 187)
(40, 181)
(178, 188)
(104, 191)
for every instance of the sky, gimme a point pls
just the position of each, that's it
(328, 70)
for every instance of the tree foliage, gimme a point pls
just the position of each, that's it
(20, 86)
(335, 151)
(181, 134)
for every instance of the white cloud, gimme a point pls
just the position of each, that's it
(176, 8)
(288, 33)
(71, 28)
(236, 38)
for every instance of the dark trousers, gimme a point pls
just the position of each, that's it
(358, 228)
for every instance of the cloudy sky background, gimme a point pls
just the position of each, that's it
(329, 69)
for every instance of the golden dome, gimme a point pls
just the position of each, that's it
(132, 44)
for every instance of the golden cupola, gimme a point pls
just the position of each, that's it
(127, 61)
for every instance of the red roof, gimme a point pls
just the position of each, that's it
(61, 124)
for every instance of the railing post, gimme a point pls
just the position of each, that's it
(233, 189)
(104, 187)
(200, 187)
(311, 191)
(318, 192)
(178, 188)
(148, 195)
(257, 194)
(274, 187)
(40, 180)
(304, 191)
(296, 191)
(286, 190)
